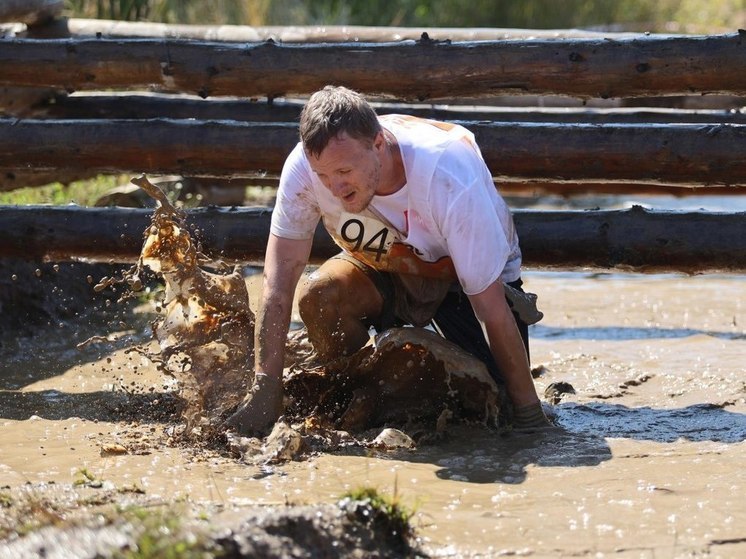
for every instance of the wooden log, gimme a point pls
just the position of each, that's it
(634, 239)
(409, 70)
(30, 12)
(78, 27)
(693, 154)
(524, 189)
(144, 105)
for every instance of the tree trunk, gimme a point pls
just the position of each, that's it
(690, 154)
(65, 28)
(143, 105)
(409, 70)
(634, 239)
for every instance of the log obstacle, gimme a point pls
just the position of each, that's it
(633, 240)
(81, 27)
(692, 154)
(143, 105)
(423, 69)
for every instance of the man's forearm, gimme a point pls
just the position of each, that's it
(505, 344)
(283, 266)
(273, 322)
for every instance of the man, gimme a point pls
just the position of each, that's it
(425, 237)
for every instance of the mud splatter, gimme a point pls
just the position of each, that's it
(410, 378)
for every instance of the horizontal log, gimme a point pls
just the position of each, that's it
(142, 105)
(634, 239)
(694, 154)
(21, 179)
(409, 70)
(78, 27)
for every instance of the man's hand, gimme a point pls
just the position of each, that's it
(261, 408)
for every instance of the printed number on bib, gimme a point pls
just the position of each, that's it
(365, 234)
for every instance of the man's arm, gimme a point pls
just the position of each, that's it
(507, 348)
(283, 265)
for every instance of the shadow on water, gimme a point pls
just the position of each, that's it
(95, 406)
(696, 423)
(477, 455)
(626, 333)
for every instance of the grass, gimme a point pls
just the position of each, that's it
(82, 193)
(387, 509)
(161, 536)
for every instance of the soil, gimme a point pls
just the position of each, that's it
(646, 378)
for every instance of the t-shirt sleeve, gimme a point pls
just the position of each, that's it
(296, 213)
(467, 207)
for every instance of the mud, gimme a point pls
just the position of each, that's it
(407, 377)
(647, 462)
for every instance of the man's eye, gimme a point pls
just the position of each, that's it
(345, 172)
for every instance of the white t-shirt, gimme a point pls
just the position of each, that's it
(447, 222)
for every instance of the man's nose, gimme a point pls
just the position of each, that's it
(338, 186)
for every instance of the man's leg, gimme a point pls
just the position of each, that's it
(337, 303)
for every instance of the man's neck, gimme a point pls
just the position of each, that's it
(393, 173)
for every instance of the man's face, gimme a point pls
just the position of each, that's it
(350, 169)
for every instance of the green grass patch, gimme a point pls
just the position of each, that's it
(82, 193)
(162, 536)
(386, 509)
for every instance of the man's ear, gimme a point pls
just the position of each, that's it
(379, 142)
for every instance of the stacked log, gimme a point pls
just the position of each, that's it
(410, 70)
(190, 128)
(690, 154)
(633, 240)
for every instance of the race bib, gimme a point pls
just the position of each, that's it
(366, 235)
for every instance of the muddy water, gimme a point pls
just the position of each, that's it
(648, 461)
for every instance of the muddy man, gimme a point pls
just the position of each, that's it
(425, 238)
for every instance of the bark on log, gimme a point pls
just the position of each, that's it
(634, 239)
(409, 70)
(64, 28)
(692, 154)
(30, 12)
(134, 106)
(22, 179)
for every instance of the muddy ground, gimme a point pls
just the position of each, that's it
(648, 460)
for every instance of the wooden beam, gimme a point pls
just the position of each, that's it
(77, 27)
(144, 105)
(691, 154)
(423, 69)
(634, 239)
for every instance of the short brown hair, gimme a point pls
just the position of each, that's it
(333, 110)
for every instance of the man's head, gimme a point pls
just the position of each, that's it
(335, 110)
(345, 145)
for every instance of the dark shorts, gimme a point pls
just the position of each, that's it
(454, 320)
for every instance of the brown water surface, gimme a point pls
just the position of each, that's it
(649, 460)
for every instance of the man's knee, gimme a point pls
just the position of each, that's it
(318, 295)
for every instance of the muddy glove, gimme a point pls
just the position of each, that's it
(261, 408)
(523, 304)
(530, 417)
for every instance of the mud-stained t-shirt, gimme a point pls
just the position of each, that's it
(447, 222)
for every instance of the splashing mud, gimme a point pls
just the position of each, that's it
(409, 378)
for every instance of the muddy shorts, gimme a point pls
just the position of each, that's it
(454, 319)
